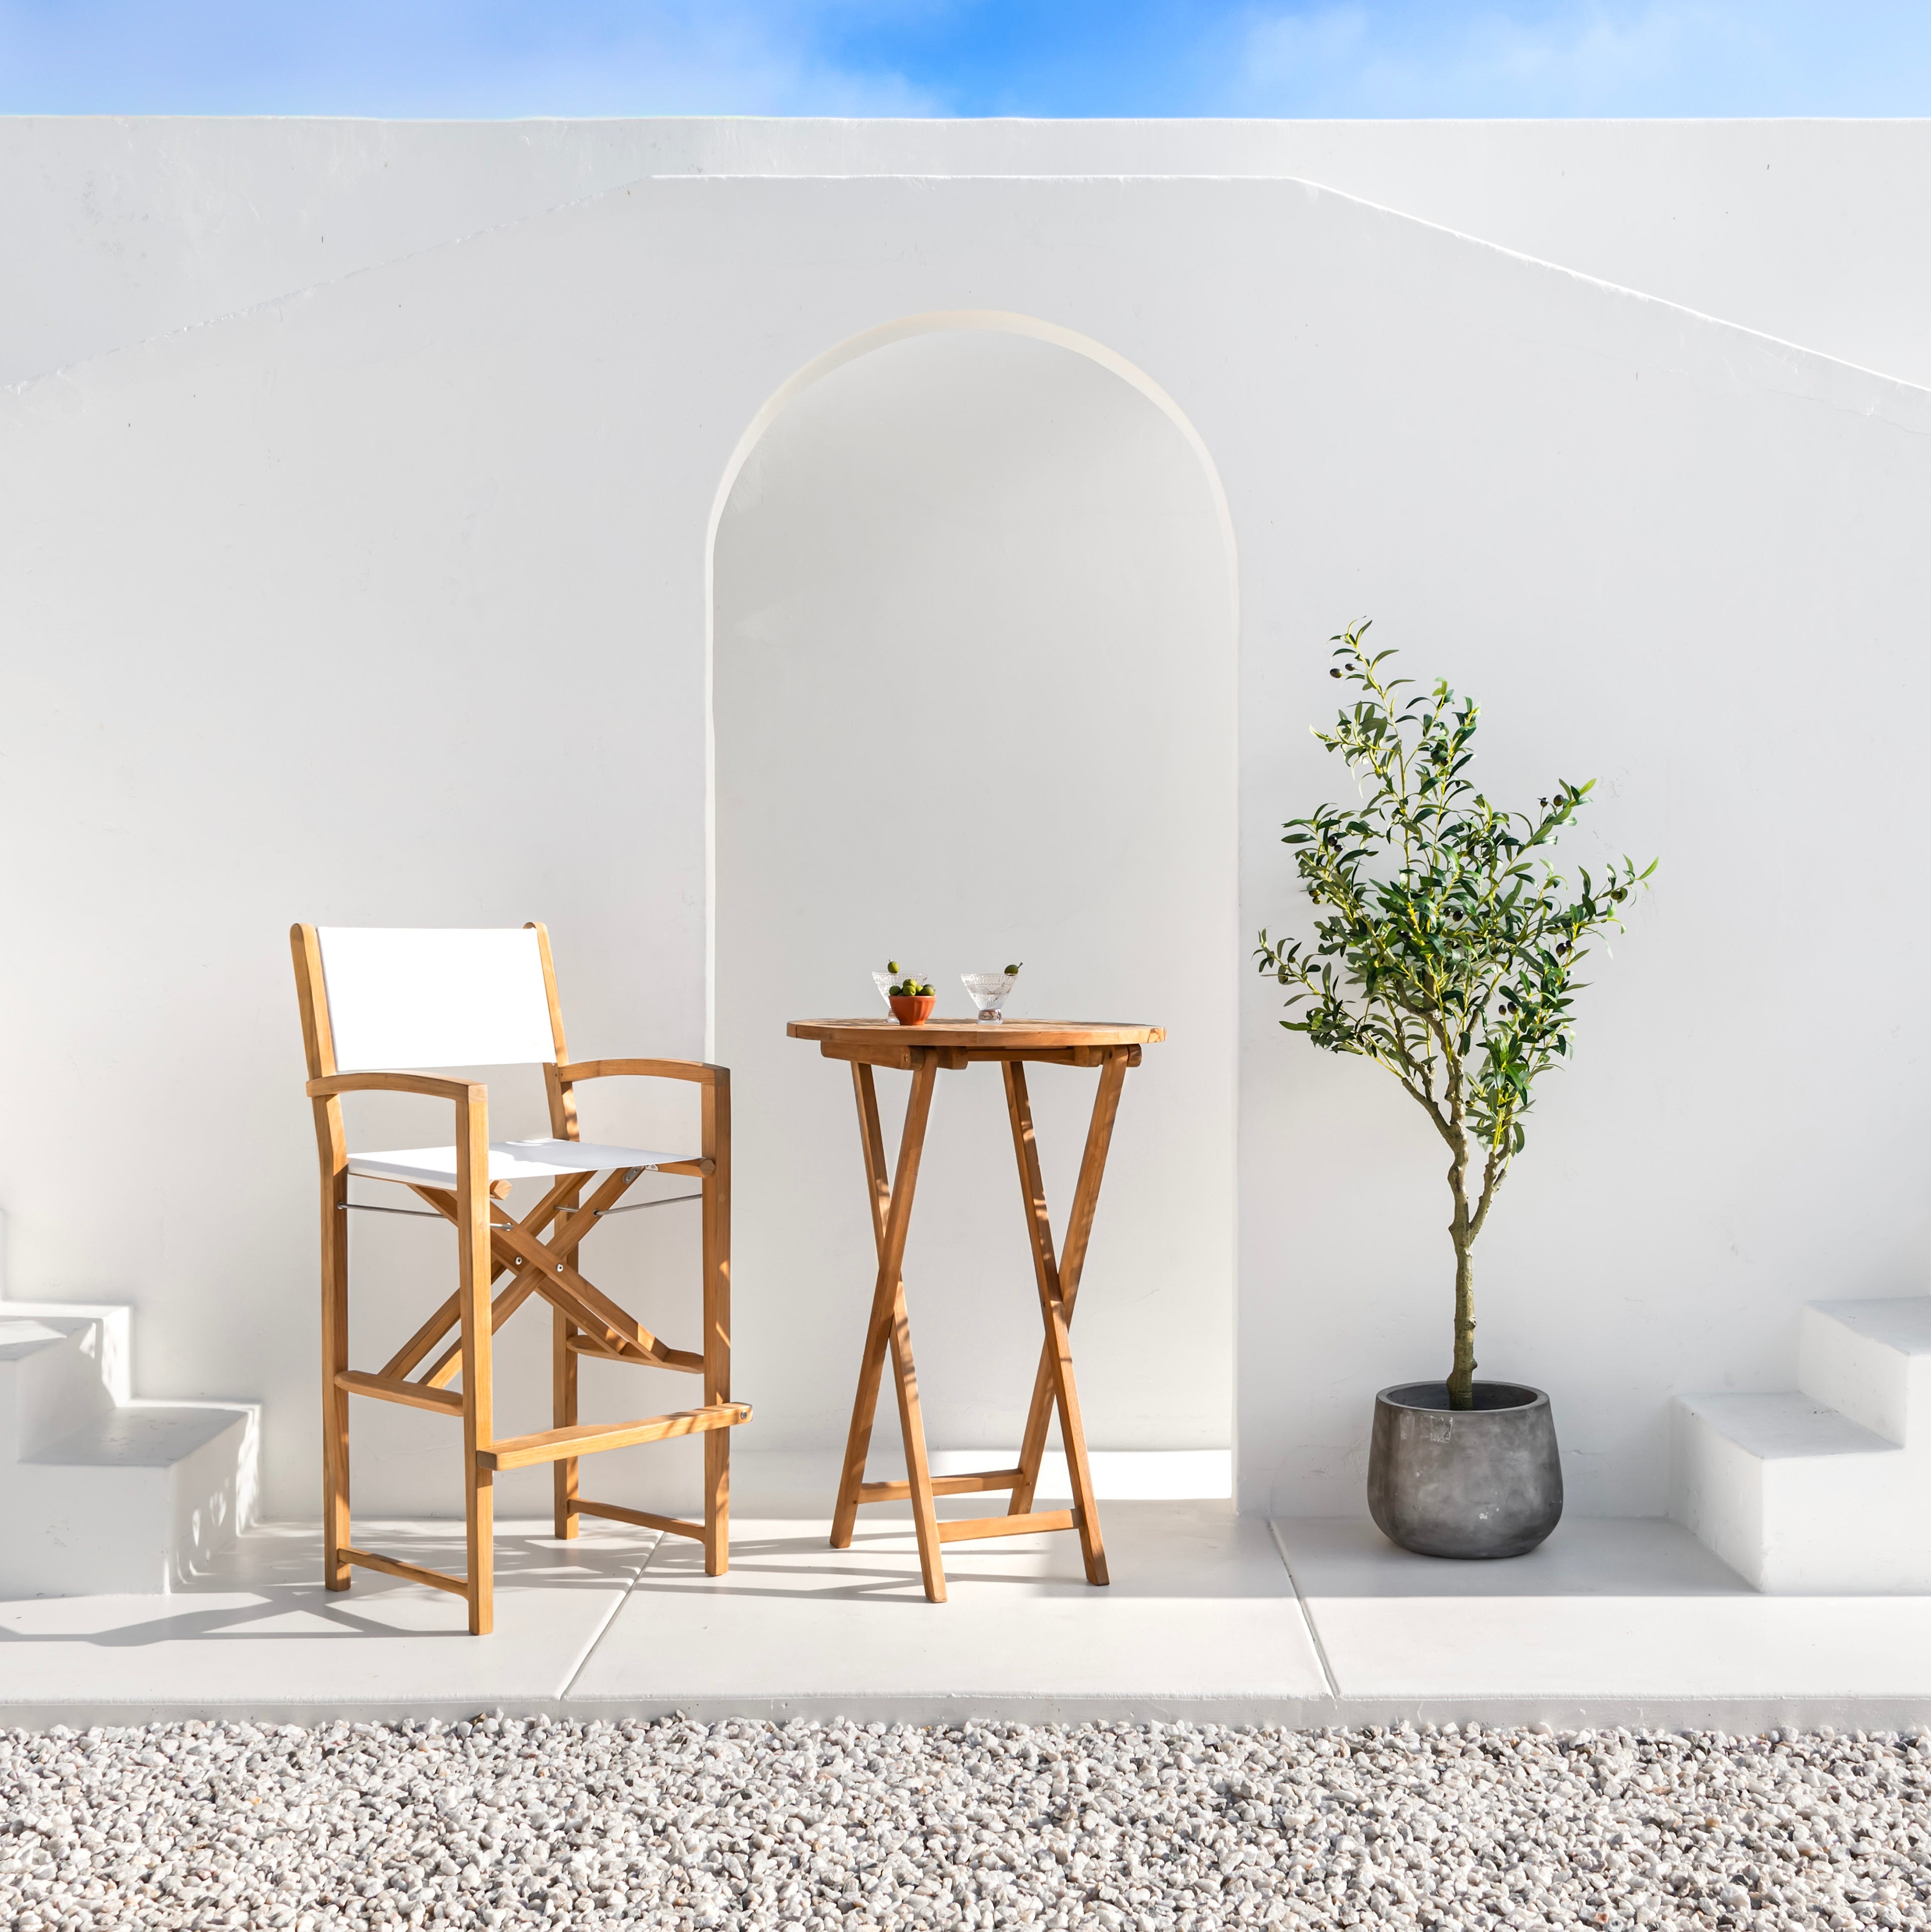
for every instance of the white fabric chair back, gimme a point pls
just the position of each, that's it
(424, 997)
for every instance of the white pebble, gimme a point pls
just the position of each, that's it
(511, 1823)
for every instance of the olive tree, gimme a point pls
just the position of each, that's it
(1445, 947)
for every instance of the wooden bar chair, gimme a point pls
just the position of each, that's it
(376, 1005)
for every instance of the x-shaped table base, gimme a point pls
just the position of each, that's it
(889, 1330)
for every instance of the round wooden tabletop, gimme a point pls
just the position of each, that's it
(971, 1032)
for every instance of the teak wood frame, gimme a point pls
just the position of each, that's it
(584, 1321)
(888, 1330)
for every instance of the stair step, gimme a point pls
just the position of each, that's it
(1788, 1423)
(1903, 1322)
(133, 1502)
(1799, 1498)
(19, 1339)
(100, 1494)
(1873, 1360)
(141, 1436)
(54, 1375)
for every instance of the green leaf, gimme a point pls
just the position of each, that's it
(1445, 947)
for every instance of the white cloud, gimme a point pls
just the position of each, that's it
(455, 59)
(705, 59)
(1561, 57)
(1359, 58)
(1282, 50)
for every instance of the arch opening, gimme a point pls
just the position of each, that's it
(972, 621)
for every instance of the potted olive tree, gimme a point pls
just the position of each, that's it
(1445, 949)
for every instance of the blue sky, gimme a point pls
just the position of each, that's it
(443, 58)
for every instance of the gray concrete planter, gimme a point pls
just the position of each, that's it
(1479, 1482)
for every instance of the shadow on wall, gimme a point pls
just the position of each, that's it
(974, 700)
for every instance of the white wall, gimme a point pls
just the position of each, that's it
(112, 230)
(311, 618)
(388, 601)
(975, 702)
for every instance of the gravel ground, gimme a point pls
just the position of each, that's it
(679, 1824)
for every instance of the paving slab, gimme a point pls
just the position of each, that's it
(258, 1636)
(1625, 1621)
(1210, 1617)
(1200, 1621)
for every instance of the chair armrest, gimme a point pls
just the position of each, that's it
(462, 1092)
(700, 1071)
(471, 1099)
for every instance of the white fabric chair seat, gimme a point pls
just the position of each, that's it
(509, 1160)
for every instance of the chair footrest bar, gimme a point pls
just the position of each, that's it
(942, 1485)
(671, 1525)
(394, 1388)
(971, 1528)
(409, 1573)
(681, 1360)
(586, 1439)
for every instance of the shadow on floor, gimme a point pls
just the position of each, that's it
(1155, 1550)
(274, 1576)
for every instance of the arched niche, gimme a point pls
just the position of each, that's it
(973, 623)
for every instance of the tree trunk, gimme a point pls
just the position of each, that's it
(1461, 1374)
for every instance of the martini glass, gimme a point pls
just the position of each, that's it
(988, 991)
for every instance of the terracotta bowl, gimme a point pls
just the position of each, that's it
(913, 1013)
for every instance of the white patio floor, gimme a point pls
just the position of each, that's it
(1211, 1617)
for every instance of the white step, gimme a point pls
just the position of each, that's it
(56, 1371)
(1871, 1360)
(100, 1494)
(1825, 1489)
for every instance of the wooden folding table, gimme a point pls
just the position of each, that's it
(924, 1051)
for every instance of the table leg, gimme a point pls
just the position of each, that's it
(878, 1190)
(1072, 1263)
(887, 1328)
(1055, 1377)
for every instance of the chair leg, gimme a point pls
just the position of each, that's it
(717, 1502)
(476, 1267)
(716, 1211)
(563, 1362)
(335, 1570)
(563, 1411)
(479, 1523)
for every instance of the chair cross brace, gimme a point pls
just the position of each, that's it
(545, 1268)
(531, 1262)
